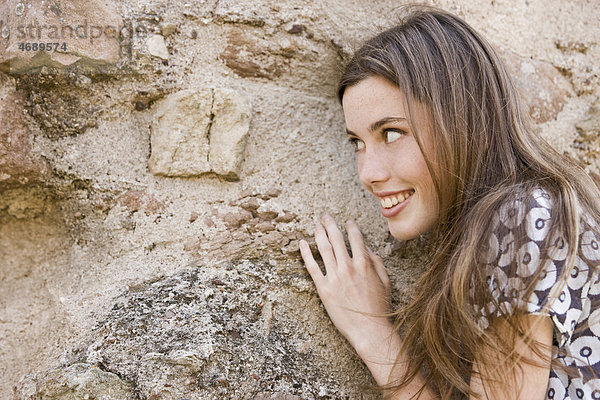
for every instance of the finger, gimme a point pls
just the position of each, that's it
(337, 240)
(325, 249)
(357, 245)
(379, 267)
(311, 265)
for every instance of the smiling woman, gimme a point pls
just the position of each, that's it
(507, 308)
(390, 162)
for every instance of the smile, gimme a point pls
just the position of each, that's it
(391, 201)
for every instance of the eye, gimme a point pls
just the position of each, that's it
(357, 143)
(392, 135)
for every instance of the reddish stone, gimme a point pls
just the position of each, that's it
(18, 165)
(541, 86)
(89, 30)
(264, 227)
(250, 204)
(286, 217)
(234, 220)
(136, 200)
(248, 57)
(274, 239)
(267, 215)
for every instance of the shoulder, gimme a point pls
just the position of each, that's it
(528, 265)
(521, 229)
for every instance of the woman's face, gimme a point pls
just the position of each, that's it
(390, 163)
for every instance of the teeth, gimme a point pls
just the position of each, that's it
(393, 200)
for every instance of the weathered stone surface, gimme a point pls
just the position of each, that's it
(168, 29)
(86, 33)
(287, 216)
(18, 165)
(542, 87)
(93, 130)
(250, 204)
(77, 381)
(157, 47)
(276, 396)
(200, 131)
(267, 214)
(588, 141)
(228, 133)
(208, 333)
(63, 102)
(180, 132)
(234, 220)
(136, 200)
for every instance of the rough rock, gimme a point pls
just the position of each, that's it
(157, 47)
(73, 244)
(287, 216)
(18, 164)
(276, 396)
(228, 133)
(541, 85)
(236, 219)
(250, 204)
(263, 226)
(207, 333)
(180, 132)
(77, 381)
(588, 140)
(85, 32)
(267, 215)
(200, 131)
(136, 200)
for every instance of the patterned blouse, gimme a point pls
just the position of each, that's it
(519, 245)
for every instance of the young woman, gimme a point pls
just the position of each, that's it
(507, 306)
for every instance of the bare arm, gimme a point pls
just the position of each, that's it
(531, 382)
(356, 292)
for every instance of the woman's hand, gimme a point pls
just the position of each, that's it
(355, 290)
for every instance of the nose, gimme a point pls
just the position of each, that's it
(372, 167)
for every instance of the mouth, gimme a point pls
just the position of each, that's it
(393, 204)
(393, 200)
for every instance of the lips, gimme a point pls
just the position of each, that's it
(390, 199)
(393, 202)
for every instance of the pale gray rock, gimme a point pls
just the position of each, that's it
(77, 381)
(197, 131)
(208, 332)
(157, 47)
(228, 132)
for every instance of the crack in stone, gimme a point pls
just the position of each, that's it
(210, 123)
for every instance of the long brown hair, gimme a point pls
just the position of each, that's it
(485, 152)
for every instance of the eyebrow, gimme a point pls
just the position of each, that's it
(379, 123)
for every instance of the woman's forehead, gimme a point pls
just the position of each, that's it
(372, 99)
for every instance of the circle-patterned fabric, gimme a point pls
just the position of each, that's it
(522, 248)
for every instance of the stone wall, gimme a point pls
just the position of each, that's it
(157, 174)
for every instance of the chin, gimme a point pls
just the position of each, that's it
(402, 234)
